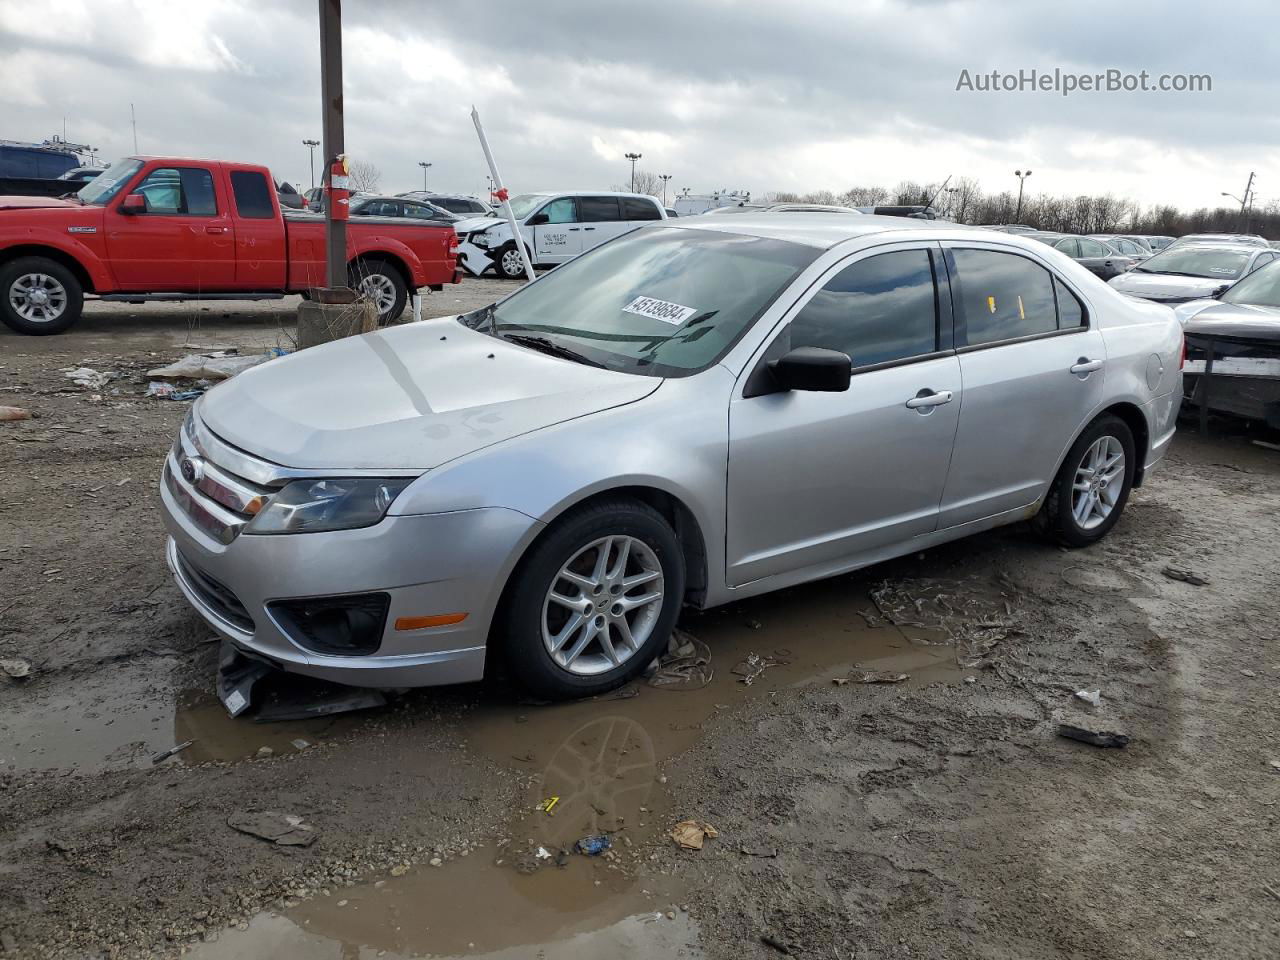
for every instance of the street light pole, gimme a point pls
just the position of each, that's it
(1022, 178)
(664, 177)
(311, 148)
(425, 167)
(633, 157)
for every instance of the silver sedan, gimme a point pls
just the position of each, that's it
(693, 413)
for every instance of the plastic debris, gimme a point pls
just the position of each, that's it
(18, 669)
(543, 853)
(1091, 697)
(300, 744)
(166, 754)
(195, 366)
(872, 676)
(690, 834)
(158, 388)
(1185, 576)
(749, 668)
(1097, 738)
(686, 666)
(14, 413)
(283, 829)
(89, 378)
(764, 852)
(594, 845)
(547, 805)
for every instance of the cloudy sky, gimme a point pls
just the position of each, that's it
(760, 95)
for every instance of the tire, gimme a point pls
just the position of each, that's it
(531, 623)
(384, 283)
(45, 280)
(1060, 516)
(509, 264)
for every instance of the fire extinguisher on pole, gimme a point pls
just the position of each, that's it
(339, 189)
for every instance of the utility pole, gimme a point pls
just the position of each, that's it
(1248, 187)
(664, 177)
(311, 148)
(633, 157)
(133, 117)
(425, 167)
(1022, 178)
(334, 139)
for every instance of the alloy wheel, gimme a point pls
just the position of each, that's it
(37, 297)
(602, 606)
(380, 290)
(1098, 482)
(512, 265)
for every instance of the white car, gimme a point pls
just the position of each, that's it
(555, 227)
(1192, 271)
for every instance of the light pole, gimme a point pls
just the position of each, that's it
(311, 148)
(633, 157)
(425, 167)
(664, 177)
(1022, 178)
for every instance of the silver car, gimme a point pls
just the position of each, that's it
(693, 413)
(1192, 271)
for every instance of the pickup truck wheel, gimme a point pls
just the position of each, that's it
(39, 296)
(383, 284)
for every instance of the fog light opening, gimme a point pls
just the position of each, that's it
(349, 626)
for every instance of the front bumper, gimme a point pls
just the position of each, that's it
(428, 564)
(475, 260)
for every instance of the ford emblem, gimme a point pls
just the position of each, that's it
(191, 469)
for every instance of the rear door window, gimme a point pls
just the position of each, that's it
(633, 208)
(876, 310)
(599, 210)
(252, 195)
(1003, 296)
(1092, 248)
(1070, 246)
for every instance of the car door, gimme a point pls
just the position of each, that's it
(1099, 258)
(557, 232)
(1034, 367)
(601, 220)
(814, 478)
(183, 241)
(261, 261)
(638, 211)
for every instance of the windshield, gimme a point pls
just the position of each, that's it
(660, 301)
(1261, 288)
(1198, 262)
(107, 184)
(526, 203)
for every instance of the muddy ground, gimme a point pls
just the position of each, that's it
(939, 816)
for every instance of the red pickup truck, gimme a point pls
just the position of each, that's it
(162, 228)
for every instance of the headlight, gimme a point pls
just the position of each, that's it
(311, 506)
(479, 239)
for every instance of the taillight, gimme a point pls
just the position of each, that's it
(1183, 362)
(453, 242)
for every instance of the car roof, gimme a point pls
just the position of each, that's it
(824, 231)
(1222, 245)
(581, 193)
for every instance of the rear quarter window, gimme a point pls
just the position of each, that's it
(1004, 296)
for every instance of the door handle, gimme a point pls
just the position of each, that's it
(588, 228)
(215, 229)
(1085, 365)
(927, 398)
(574, 229)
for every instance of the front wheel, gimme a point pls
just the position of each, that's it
(39, 296)
(1090, 491)
(594, 601)
(510, 264)
(383, 284)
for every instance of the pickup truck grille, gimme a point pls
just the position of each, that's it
(216, 500)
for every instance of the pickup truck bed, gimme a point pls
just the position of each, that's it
(194, 229)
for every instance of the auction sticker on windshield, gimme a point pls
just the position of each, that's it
(672, 313)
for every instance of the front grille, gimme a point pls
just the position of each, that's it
(216, 500)
(215, 595)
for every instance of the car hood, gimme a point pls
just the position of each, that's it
(1236, 320)
(1166, 285)
(471, 224)
(26, 203)
(411, 397)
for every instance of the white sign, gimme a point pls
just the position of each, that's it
(672, 313)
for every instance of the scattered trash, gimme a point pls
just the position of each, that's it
(121, 483)
(547, 805)
(771, 941)
(1248, 673)
(166, 754)
(400, 869)
(282, 829)
(764, 852)
(14, 413)
(872, 676)
(195, 366)
(88, 378)
(167, 391)
(237, 676)
(1091, 697)
(278, 352)
(686, 666)
(1098, 738)
(18, 669)
(689, 834)
(299, 744)
(750, 668)
(594, 845)
(1185, 576)
(543, 853)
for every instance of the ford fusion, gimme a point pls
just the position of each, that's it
(1192, 271)
(696, 412)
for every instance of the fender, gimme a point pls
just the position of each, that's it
(26, 241)
(386, 246)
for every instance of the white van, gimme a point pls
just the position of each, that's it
(555, 227)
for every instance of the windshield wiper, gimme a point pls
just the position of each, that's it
(550, 347)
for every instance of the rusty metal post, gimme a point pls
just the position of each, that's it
(334, 141)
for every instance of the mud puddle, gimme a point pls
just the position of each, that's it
(594, 768)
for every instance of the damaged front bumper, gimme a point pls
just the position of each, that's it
(475, 260)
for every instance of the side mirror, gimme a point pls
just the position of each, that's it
(814, 369)
(537, 220)
(133, 203)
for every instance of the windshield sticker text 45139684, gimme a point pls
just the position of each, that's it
(672, 313)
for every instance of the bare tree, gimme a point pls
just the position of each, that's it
(864, 196)
(646, 182)
(365, 177)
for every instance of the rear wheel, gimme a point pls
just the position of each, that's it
(1092, 487)
(39, 296)
(594, 601)
(382, 283)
